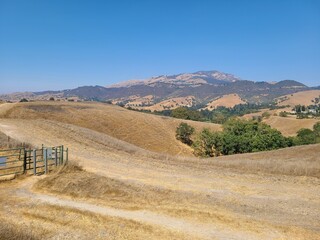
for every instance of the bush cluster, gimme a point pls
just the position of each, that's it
(239, 136)
(184, 132)
(243, 136)
(308, 136)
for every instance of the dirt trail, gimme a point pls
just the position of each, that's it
(4, 107)
(276, 204)
(205, 231)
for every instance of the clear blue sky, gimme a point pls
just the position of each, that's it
(64, 44)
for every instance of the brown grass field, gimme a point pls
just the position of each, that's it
(302, 98)
(151, 132)
(229, 101)
(172, 103)
(289, 126)
(127, 191)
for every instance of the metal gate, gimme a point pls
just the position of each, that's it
(36, 161)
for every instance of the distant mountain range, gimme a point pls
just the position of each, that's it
(184, 79)
(203, 86)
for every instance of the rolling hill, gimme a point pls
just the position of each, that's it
(151, 132)
(228, 101)
(289, 126)
(300, 98)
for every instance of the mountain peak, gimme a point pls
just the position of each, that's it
(183, 79)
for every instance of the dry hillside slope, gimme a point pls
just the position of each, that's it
(289, 126)
(302, 98)
(151, 132)
(172, 103)
(228, 101)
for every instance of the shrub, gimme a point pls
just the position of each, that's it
(305, 136)
(283, 114)
(207, 144)
(184, 132)
(185, 113)
(265, 115)
(24, 100)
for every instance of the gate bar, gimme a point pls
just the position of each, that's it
(34, 161)
(45, 161)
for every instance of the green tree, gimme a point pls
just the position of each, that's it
(185, 113)
(24, 100)
(239, 136)
(242, 136)
(184, 132)
(207, 144)
(316, 130)
(305, 136)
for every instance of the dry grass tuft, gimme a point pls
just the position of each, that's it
(12, 231)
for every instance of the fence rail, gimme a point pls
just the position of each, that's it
(38, 161)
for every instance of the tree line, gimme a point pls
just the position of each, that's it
(242, 136)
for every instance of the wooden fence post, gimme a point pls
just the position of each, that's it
(34, 161)
(45, 161)
(56, 155)
(67, 155)
(62, 154)
(24, 161)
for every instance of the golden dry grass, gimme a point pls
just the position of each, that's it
(302, 98)
(10, 230)
(151, 132)
(229, 101)
(73, 181)
(46, 221)
(294, 161)
(172, 103)
(289, 126)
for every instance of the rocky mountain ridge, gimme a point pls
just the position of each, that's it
(204, 86)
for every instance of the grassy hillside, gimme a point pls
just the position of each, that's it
(289, 126)
(229, 101)
(155, 133)
(302, 98)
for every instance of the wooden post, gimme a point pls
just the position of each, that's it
(56, 155)
(24, 161)
(45, 161)
(34, 161)
(29, 159)
(62, 154)
(67, 155)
